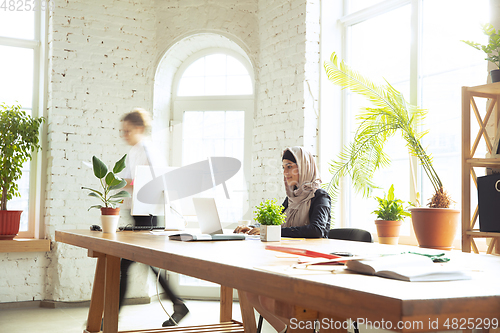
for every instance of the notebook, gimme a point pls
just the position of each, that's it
(209, 222)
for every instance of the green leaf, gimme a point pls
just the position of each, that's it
(87, 188)
(121, 184)
(121, 194)
(120, 165)
(111, 179)
(96, 206)
(100, 169)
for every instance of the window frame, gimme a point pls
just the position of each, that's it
(39, 46)
(346, 22)
(180, 104)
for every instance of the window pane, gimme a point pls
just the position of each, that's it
(16, 85)
(389, 58)
(447, 65)
(17, 24)
(378, 50)
(215, 75)
(221, 135)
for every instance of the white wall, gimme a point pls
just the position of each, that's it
(288, 64)
(103, 56)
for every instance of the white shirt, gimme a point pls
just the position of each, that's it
(142, 153)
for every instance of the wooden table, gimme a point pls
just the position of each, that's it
(418, 306)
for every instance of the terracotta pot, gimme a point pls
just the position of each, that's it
(109, 219)
(388, 231)
(110, 211)
(9, 223)
(435, 228)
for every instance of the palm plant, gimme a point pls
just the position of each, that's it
(390, 115)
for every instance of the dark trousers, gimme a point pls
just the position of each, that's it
(125, 265)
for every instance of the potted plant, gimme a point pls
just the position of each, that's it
(109, 183)
(390, 214)
(270, 216)
(18, 140)
(492, 49)
(389, 115)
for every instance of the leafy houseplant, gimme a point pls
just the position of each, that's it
(269, 214)
(492, 49)
(389, 115)
(390, 213)
(18, 140)
(109, 182)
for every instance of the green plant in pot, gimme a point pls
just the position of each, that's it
(492, 49)
(390, 214)
(270, 216)
(109, 195)
(389, 115)
(19, 138)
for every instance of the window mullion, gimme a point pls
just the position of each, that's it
(415, 87)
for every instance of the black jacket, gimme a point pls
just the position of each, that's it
(319, 218)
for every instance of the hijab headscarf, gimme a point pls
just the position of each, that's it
(299, 199)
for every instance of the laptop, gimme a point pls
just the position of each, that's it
(209, 222)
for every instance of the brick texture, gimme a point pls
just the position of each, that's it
(103, 57)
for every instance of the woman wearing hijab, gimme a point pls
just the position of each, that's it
(307, 208)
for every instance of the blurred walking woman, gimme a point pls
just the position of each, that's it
(134, 126)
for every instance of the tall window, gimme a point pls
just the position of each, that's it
(213, 110)
(416, 46)
(20, 68)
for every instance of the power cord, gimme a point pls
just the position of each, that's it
(159, 300)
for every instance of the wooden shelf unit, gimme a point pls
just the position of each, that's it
(469, 161)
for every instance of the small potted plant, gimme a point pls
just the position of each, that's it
(390, 214)
(109, 182)
(270, 216)
(492, 49)
(18, 140)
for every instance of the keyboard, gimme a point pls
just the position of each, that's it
(140, 227)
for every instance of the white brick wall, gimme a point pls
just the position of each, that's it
(103, 55)
(287, 104)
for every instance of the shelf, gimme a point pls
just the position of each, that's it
(470, 142)
(480, 234)
(25, 245)
(484, 162)
(490, 89)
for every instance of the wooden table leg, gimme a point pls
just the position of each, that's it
(112, 293)
(247, 313)
(226, 304)
(97, 300)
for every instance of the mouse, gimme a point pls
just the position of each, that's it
(95, 227)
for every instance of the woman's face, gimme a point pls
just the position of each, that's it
(132, 134)
(291, 173)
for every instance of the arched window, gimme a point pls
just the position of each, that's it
(212, 113)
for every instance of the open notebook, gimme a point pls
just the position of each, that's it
(210, 225)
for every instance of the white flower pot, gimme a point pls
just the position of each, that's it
(270, 233)
(109, 223)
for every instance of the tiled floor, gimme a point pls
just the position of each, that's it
(72, 320)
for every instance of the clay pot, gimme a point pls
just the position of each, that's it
(388, 231)
(109, 219)
(435, 228)
(9, 223)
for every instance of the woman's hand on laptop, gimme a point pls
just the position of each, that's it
(244, 229)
